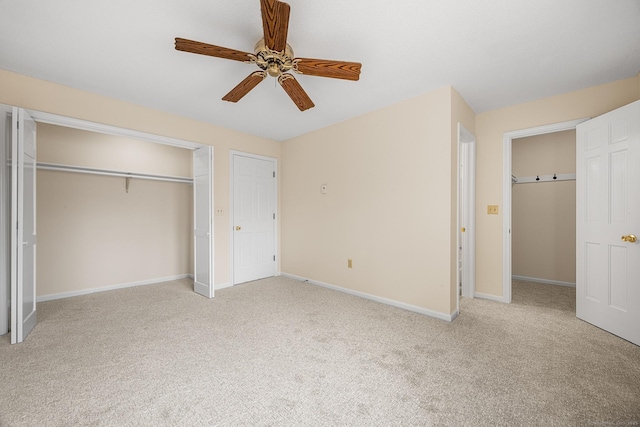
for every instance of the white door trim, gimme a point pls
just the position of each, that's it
(506, 192)
(466, 138)
(70, 122)
(231, 200)
(5, 214)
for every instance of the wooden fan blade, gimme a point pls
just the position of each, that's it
(245, 86)
(295, 92)
(326, 68)
(275, 23)
(211, 50)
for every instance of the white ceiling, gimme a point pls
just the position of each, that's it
(494, 52)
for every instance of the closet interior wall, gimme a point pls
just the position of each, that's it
(96, 232)
(544, 213)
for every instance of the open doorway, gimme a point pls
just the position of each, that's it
(606, 211)
(507, 185)
(544, 219)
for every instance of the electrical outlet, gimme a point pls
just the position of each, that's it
(492, 209)
(349, 263)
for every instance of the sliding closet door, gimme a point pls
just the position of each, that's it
(202, 220)
(23, 225)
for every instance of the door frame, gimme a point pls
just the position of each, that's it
(69, 122)
(276, 245)
(5, 229)
(466, 189)
(507, 147)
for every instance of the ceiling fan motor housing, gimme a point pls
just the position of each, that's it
(273, 62)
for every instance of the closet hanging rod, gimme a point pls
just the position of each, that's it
(107, 172)
(545, 178)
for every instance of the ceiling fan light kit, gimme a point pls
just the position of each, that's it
(275, 58)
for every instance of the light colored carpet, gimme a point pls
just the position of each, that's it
(285, 353)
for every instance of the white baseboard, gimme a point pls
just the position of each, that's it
(394, 303)
(488, 296)
(546, 281)
(50, 297)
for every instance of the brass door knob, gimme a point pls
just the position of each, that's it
(238, 228)
(630, 238)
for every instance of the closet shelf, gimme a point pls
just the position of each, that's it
(107, 172)
(543, 178)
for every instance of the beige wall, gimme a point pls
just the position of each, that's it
(389, 172)
(490, 128)
(388, 204)
(63, 145)
(26, 92)
(92, 233)
(543, 216)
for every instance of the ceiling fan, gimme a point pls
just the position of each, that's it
(275, 57)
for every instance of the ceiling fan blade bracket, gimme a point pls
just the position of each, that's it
(252, 59)
(294, 66)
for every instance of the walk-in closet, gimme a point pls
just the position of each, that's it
(544, 208)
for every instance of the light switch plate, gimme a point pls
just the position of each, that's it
(492, 209)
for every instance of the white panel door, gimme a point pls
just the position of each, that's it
(607, 219)
(202, 222)
(23, 225)
(253, 219)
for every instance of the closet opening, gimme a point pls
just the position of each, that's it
(543, 219)
(111, 212)
(555, 274)
(115, 208)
